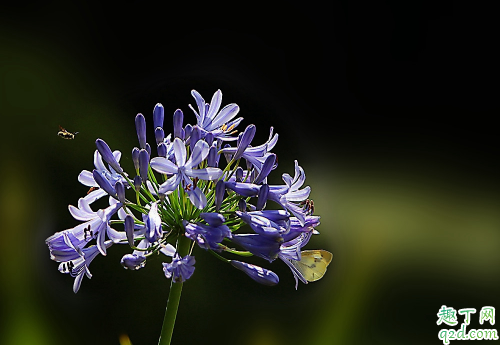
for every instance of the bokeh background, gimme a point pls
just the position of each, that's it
(388, 106)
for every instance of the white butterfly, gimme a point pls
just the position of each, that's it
(313, 264)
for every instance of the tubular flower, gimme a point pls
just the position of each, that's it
(210, 120)
(87, 179)
(182, 170)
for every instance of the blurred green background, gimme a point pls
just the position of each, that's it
(387, 107)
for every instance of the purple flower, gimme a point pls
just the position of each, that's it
(259, 274)
(310, 222)
(137, 259)
(87, 178)
(180, 269)
(264, 225)
(79, 266)
(133, 262)
(263, 246)
(182, 170)
(153, 224)
(210, 120)
(298, 237)
(95, 226)
(289, 193)
(256, 155)
(208, 236)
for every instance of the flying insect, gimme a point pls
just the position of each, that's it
(65, 134)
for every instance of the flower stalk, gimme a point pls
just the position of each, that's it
(174, 297)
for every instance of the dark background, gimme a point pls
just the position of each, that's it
(390, 107)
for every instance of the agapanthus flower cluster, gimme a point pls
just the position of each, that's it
(202, 183)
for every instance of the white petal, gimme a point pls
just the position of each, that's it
(197, 197)
(163, 165)
(179, 152)
(87, 179)
(170, 184)
(214, 104)
(207, 174)
(200, 152)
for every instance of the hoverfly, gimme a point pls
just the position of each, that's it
(65, 134)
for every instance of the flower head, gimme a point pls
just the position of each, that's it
(187, 195)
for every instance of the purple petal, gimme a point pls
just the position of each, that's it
(263, 192)
(212, 158)
(103, 183)
(200, 102)
(244, 189)
(87, 179)
(170, 184)
(99, 165)
(80, 214)
(168, 250)
(213, 219)
(299, 177)
(199, 153)
(220, 188)
(298, 195)
(246, 139)
(195, 137)
(226, 114)
(208, 174)
(179, 152)
(163, 165)
(197, 197)
(95, 195)
(107, 155)
(266, 168)
(133, 261)
(214, 104)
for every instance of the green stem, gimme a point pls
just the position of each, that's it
(174, 298)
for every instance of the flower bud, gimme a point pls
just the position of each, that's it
(143, 164)
(158, 115)
(220, 188)
(259, 274)
(178, 120)
(135, 158)
(159, 135)
(107, 155)
(120, 191)
(140, 126)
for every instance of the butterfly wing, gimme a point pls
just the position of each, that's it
(313, 264)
